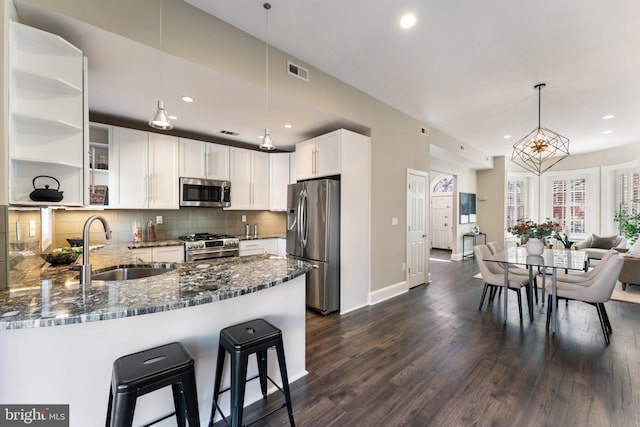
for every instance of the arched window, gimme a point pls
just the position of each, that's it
(445, 185)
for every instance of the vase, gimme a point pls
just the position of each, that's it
(534, 246)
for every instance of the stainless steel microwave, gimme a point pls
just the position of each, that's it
(205, 192)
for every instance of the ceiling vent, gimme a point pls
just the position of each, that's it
(424, 131)
(298, 71)
(228, 132)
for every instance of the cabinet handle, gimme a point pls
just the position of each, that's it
(205, 160)
(92, 157)
(313, 162)
(150, 187)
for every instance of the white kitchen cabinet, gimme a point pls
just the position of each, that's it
(160, 254)
(270, 246)
(250, 247)
(199, 159)
(143, 254)
(279, 181)
(47, 115)
(258, 247)
(249, 176)
(146, 170)
(282, 247)
(168, 254)
(319, 156)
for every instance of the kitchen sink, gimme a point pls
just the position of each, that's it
(128, 273)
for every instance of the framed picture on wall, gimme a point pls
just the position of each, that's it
(464, 208)
(472, 207)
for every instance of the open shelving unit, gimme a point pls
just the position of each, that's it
(47, 108)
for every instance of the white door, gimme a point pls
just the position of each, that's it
(441, 222)
(417, 228)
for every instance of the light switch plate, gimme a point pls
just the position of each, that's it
(394, 221)
(158, 219)
(244, 218)
(32, 227)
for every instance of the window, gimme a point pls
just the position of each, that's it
(629, 192)
(569, 202)
(445, 185)
(516, 200)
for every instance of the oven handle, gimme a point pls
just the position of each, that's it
(200, 256)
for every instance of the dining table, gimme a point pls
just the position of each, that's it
(550, 259)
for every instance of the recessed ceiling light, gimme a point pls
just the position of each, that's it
(507, 136)
(187, 98)
(288, 126)
(408, 20)
(607, 117)
(606, 132)
(173, 117)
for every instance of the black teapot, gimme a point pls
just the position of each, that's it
(45, 194)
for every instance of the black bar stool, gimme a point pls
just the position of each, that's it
(149, 370)
(242, 340)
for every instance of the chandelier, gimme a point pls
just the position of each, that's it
(541, 148)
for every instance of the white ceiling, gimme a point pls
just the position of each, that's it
(467, 67)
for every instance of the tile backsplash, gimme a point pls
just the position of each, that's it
(69, 223)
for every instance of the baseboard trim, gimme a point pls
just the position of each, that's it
(456, 257)
(390, 291)
(352, 309)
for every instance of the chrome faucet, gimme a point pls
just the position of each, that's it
(85, 270)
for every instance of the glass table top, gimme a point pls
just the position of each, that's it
(551, 258)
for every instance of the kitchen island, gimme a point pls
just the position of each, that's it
(58, 343)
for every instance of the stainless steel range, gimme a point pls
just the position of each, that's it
(202, 246)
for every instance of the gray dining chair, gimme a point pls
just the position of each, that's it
(493, 277)
(496, 247)
(595, 291)
(585, 278)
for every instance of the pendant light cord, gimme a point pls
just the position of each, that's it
(267, 6)
(160, 35)
(539, 86)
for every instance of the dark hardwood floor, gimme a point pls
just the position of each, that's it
(429, 357)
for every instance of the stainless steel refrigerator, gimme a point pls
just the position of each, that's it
(313, 234)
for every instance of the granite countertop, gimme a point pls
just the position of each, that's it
(53, 296)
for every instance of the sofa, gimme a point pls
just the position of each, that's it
(596, 246)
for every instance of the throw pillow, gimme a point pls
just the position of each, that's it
(603, 242)
(635, 249)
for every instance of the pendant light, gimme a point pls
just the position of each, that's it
(160, 119)
(541, 148)
(267, 143)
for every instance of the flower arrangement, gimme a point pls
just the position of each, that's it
(529, 229)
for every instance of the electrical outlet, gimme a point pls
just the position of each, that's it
(159, 219)
(244, 218)
(32, 227)
(404, 266)
(394, 221)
